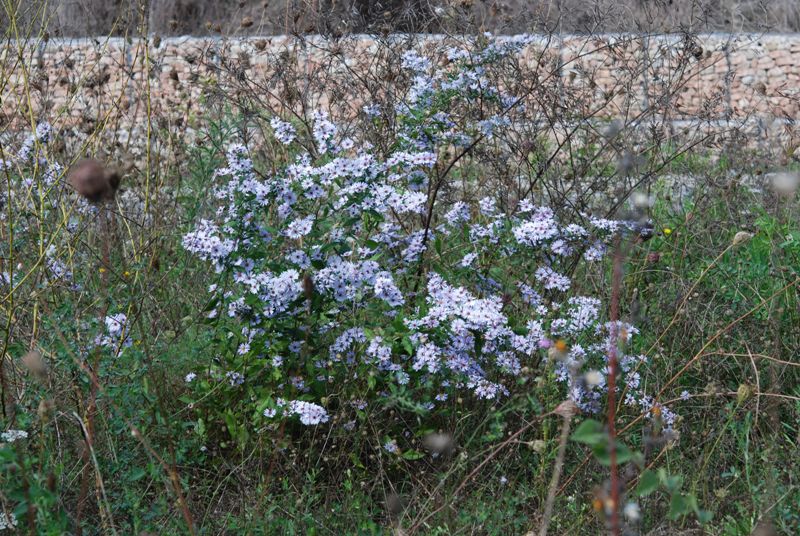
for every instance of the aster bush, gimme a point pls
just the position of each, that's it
(346, 282)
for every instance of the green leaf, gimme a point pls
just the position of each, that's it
(603, 454)
(671, 482)
(243, 436)
(408, 346)
(704, 516)
(678, 506)
(648, 483)
(589, 432)
(413, 454)
(137, 474)
(230, 421)
(354, 459)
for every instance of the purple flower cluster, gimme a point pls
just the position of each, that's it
(116, 334)
(336, 271)
(284, 132)
(308, 412)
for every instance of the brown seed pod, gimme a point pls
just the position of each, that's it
(308, 287)
(93, 181)
(35, 364)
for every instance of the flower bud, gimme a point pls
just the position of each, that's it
(743, 393)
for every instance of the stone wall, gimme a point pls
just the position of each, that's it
(85, 84)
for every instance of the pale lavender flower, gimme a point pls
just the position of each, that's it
(299, 258)
(10, 436)
(115, 324)
(234, 378)
(301, 227)
(386, 290)
(552, 280)
(284, 132)
(323, 131)
(309, 413)
(468, 259)
(8, 521)
(427, 355)
(372, 110)
(529, 296)
(413, 61)
(458, 214)
(595, 252)
(541, 227)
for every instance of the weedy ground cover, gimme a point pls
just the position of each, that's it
(432, 314)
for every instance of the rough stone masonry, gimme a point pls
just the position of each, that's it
(87, 84)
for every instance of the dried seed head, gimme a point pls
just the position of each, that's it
(613, 128)
(394, 504)
(566, 409)
(46, 409)
(765, 528)
(308, 287)
(741, 237)
(785, 183)
(593, 378)
(555, 354)
(35, 364)
(93, 181)
(632, 512)
(537, 445)
(743, 393)
(438, 443)
(642, 200)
